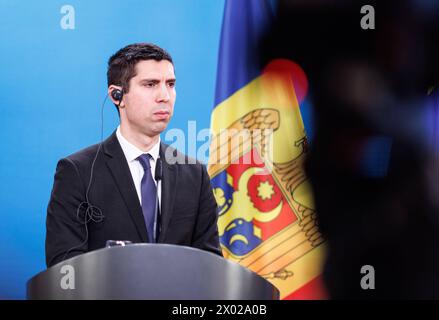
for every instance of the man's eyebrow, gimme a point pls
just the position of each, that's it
(149, 80)
(156, 80)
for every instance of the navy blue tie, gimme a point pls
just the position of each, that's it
(149, 195)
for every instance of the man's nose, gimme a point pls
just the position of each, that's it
(163, 93)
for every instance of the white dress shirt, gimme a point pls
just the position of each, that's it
(131, 153)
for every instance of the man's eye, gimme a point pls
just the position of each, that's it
(171, 84)
(149, 85)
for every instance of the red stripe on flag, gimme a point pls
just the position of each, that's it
(313, 290)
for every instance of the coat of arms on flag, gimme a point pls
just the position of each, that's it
(267, 222)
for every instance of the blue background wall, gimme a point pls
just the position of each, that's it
(53, 83)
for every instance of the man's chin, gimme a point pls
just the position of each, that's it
(159, 127)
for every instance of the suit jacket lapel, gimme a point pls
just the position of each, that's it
(169, 187)
(120, 171)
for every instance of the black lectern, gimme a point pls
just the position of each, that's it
(149, 271)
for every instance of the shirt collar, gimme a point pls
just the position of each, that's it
(132, 152)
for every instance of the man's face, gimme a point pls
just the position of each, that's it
(149, 103)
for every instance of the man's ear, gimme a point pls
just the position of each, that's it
(116, 95)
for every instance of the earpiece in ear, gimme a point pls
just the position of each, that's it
(117, 94)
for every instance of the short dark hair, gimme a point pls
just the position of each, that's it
(121, 65)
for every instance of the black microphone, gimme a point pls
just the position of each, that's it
(158, 170)
(158, 177)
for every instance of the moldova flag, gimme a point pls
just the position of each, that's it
(267, 220)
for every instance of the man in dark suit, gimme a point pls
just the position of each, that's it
(132, 186)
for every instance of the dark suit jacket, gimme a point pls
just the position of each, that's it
(188, 207)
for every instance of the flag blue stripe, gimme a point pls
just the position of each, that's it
(244, 24)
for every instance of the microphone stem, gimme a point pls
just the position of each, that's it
(156, 221)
